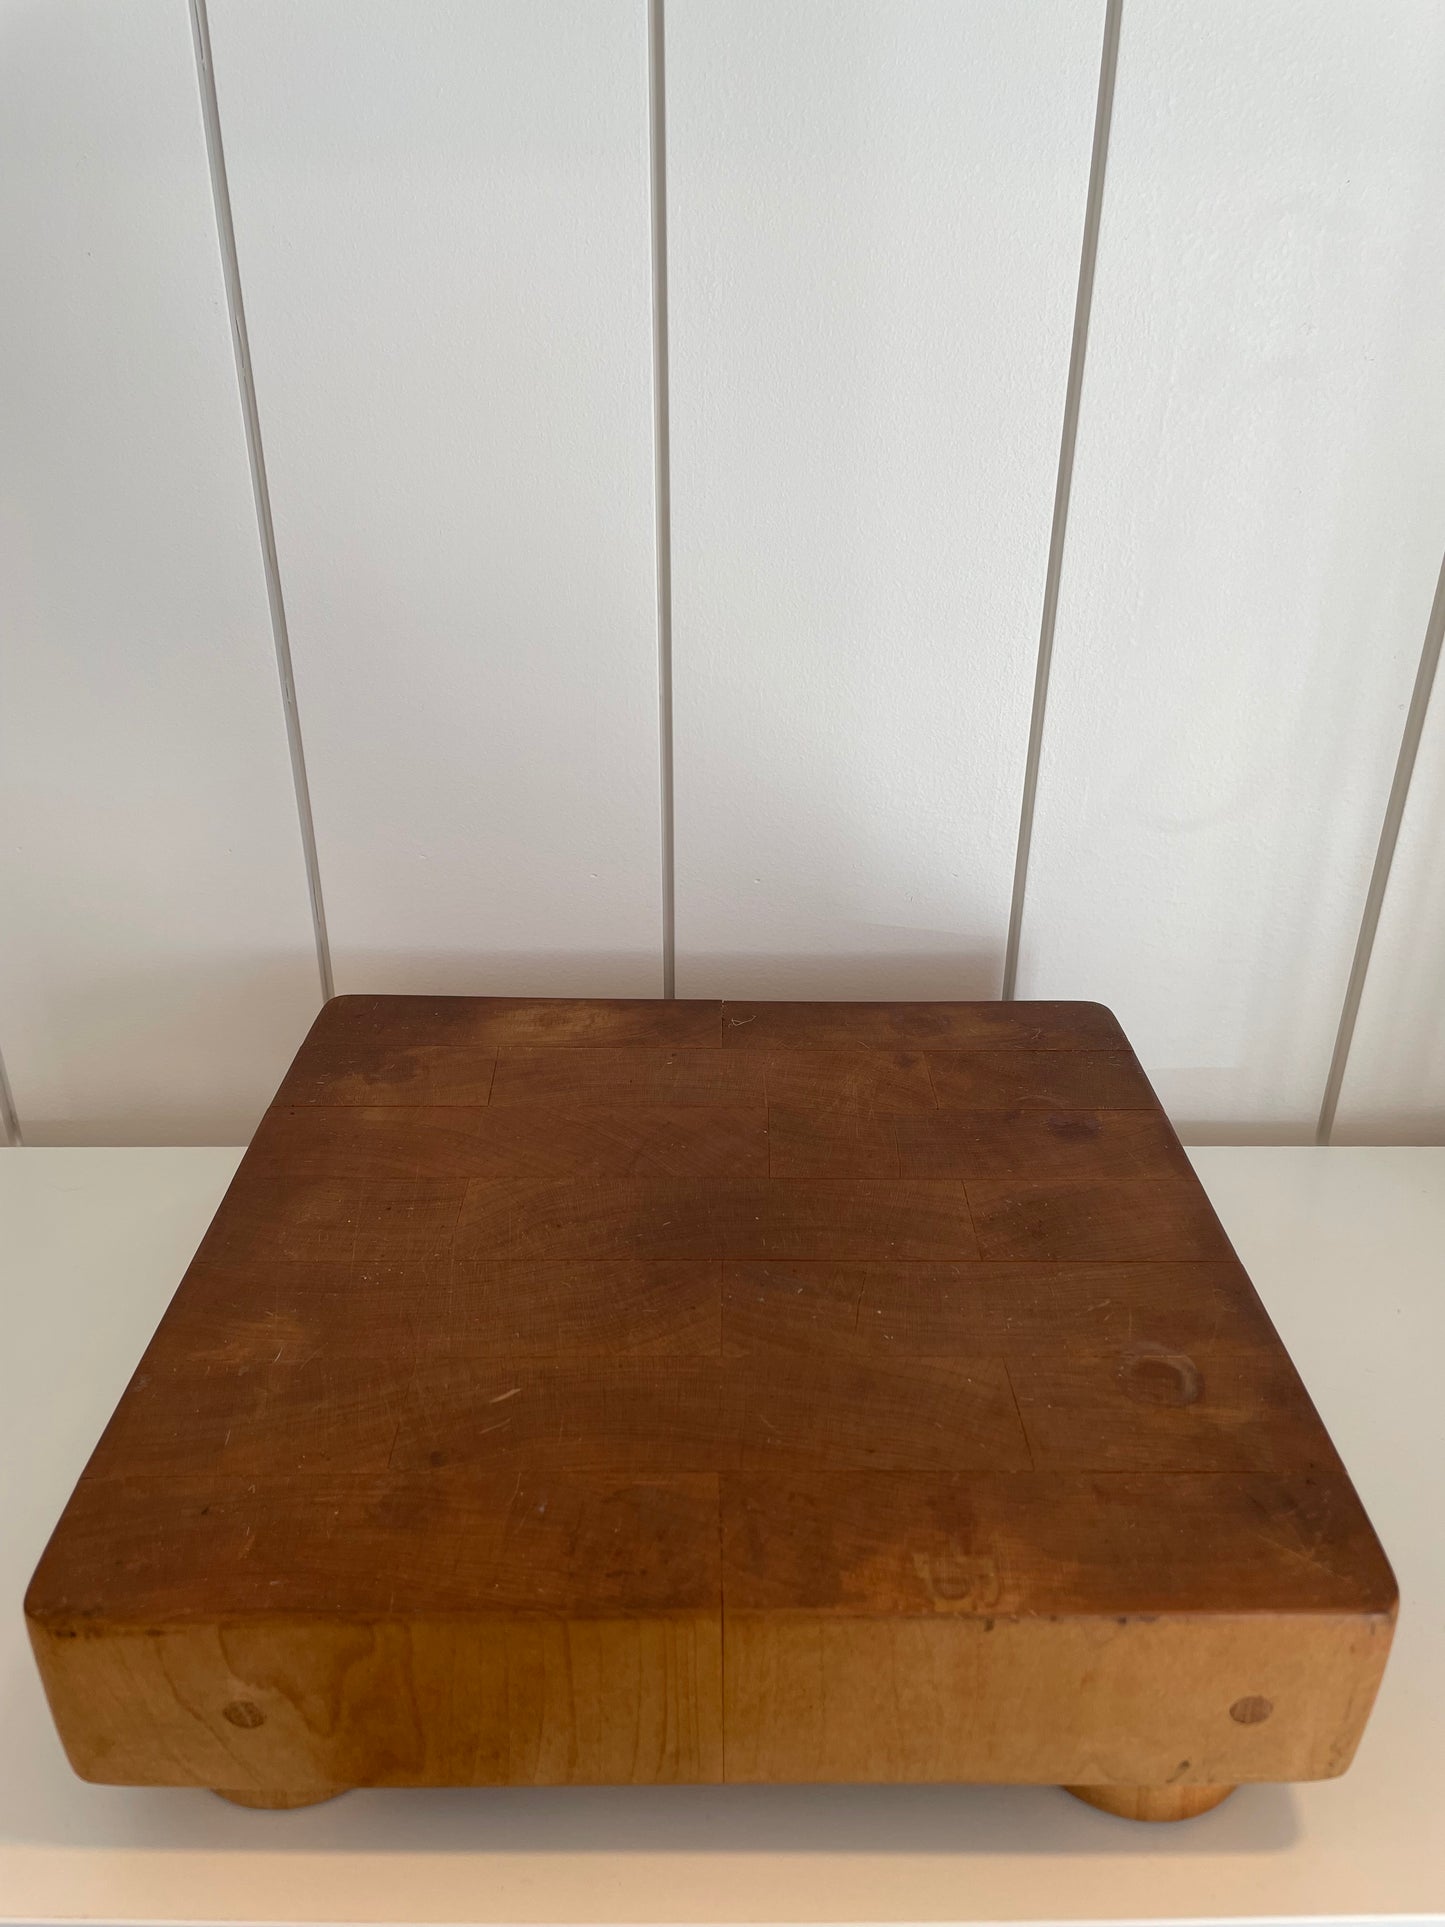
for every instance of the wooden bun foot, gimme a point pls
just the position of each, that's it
(270, 1798)
(1152, 1802)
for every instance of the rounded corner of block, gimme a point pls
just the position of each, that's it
(1387, 1607)
(1090, 1006)
(1337, 1764)
(51, 1632)
(53, 1617)
(1378, 1600)
(41, 1614)
(338, 1003)
(86, 1771)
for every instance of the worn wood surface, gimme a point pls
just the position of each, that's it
(637, 1392)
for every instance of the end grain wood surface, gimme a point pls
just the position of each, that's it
(576, 1391)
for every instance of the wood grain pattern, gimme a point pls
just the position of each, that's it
(579, 1310)
(831, 1144)
(1011, 1544)
(1014, 1310)
(439, 1050)
(733, 1218)
(1154, 1220)
(621, 1415)
(398, 1220)
(1000, 1145)
(470, 1699)
(1048, 1080)
(864, 1698)
(489, 1542)
(322, 1413)
(454, 1140)
(598, 1076)
(640, 1418)
(882, 1081)
(1036, 1026)
(227, 1316)
(853, 1415)
(1140, 1407)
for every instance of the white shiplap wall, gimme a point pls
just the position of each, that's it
(156, 951)
(501, 520)
(1394, 1082)
(1256, 525)
(445, 255)
(873, 250)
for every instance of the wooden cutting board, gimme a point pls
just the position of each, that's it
(583, 1391)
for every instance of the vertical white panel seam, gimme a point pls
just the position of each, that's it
(10, 1133)
(260, 490)
(662, 482)
(1078, 351)
(1410, 737)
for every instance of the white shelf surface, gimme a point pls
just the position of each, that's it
(1347, 1247)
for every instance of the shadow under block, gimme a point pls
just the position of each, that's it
(578, 1392)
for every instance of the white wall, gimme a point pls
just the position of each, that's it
(156, 949)
(661, 417)
(1256, 525)
(874, 222)
(442, 222)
